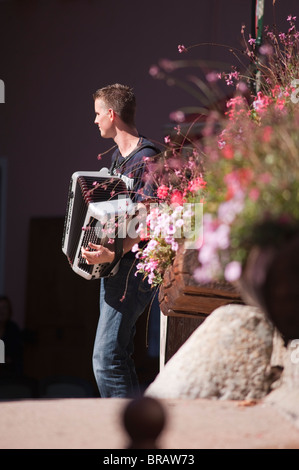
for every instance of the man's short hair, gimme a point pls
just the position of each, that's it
(121, 99)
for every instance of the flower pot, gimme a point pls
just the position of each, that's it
(270, 281)
(181, 295)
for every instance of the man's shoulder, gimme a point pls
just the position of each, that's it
(146, 143)
(147, 149)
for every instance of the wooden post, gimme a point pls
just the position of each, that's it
(186, 302)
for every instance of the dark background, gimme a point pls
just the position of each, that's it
(53, 56)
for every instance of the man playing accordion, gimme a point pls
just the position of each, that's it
(125, 295)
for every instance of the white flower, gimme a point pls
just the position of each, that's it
(233, 271)
(151, 245)
(135, 248)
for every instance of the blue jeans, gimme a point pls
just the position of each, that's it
(123, 298)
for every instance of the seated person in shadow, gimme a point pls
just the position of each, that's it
(11, 335)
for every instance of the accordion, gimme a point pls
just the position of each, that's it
(97, 206)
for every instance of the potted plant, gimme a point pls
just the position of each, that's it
(246, 165)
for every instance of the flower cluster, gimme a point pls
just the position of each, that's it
(174, 218)
(252, 165)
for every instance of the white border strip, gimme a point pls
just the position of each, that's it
(3, 186)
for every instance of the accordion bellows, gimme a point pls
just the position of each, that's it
(95, 205)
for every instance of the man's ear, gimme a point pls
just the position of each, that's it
(112, 114)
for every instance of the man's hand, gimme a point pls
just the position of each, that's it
(99, 256)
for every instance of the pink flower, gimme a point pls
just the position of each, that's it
(181, 48)
(154, 71)
(262, 101)
(167, 139)
(228, 152)
(237, 180)
(177, 197)
(162, 191)
(212, 77)
(242, 87)
(151, 245)
(179, 223)
(177, 116)
(228, 210)
(236, 106)
(266, 49)
(174, 245)
(221, 143)
(280, 104)
(254, 194)
(196, 184)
